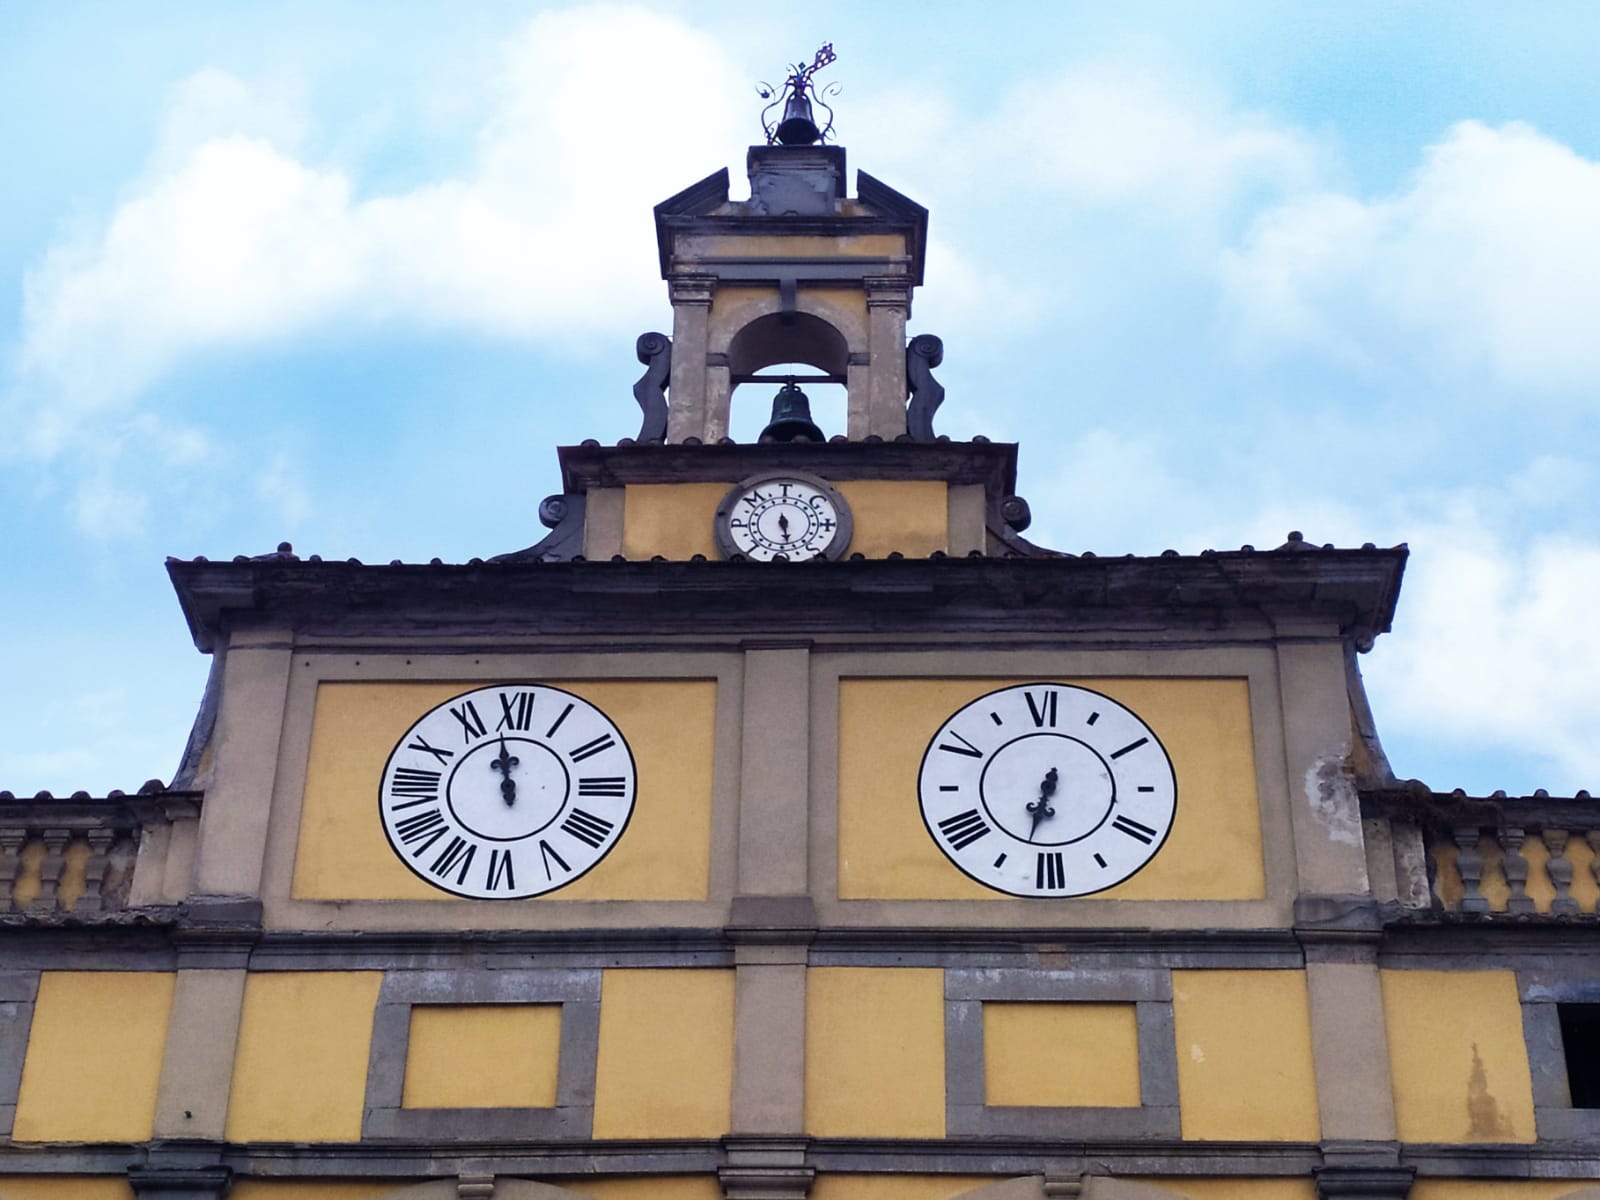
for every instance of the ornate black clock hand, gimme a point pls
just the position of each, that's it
(503, 764)
(1041, 808)
(783, 526)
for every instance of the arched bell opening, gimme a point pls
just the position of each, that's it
(758, 404)
(775, 349)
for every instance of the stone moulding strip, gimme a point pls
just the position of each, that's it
(1150, 992)
(18, 989)
(578, 993)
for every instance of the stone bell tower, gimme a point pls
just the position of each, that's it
(798, 273)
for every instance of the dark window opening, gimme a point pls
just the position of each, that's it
(1580, 1042)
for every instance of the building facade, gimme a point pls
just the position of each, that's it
(785, 823)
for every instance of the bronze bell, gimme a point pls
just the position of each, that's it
(797, 127)
(791, 418)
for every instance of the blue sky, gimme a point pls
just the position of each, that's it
(344, 274)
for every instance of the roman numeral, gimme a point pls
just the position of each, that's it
(603, 785)
(966, 749)
(500, 872)
(1043, 710)
(444, 756)
(1140, 833)
(547, 855)
(409, 781)
(471, 723)
(556, 724)
(516, 711)
(589, 749)
(964, 828)
(459, 850)
(426, 827)
(1129, 748)
(1048, 873)
(587, 827)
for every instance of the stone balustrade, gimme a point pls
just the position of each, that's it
(77, 855)
(1496, 857)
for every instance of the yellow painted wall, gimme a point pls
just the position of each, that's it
(875, 1052)
(94, 1057)
(830, 1186)
(885, 853)
(1237, 1189)
(652, 1187)
(300, 1072)
(1457, 1056)
(1244, 1056)
(1065, 1055)
(482, 1056)
(58, 1188)
(674, 520)
(665, 854)
(666, 1054)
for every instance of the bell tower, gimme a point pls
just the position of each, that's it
(798, 273)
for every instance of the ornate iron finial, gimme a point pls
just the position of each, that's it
(797, 127)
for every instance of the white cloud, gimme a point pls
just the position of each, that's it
(229, 238)
(1497, 646)
(1486, 262)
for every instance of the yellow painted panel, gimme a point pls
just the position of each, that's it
(909, 516)
(875, 245)
(300, 1073)
(51, 1187)
(666, 1054)
(831, 1186)
(1238, 1189)
(1063, 1055)
(1498, 1189)
(482, 1056)
(875, 1052)
(651, 1187)
(673, 520)
(1244, 1056)
(1458, 1059)
(665, 854)
(265, 1189)
(94, 1056)
(885, 852)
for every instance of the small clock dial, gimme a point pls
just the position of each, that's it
(1047, 790)
(507, 791)
(789, 515)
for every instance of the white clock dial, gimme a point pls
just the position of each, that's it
(789, 515)
(507, 791)
(1046, 789)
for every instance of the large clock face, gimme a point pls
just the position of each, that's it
(788, 514)
(1046, 789)
(507, 791)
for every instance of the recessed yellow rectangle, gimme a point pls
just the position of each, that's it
(483, 1056)
(1061, 1055)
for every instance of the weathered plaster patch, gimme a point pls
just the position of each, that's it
(1331, 795)
(1485, 1121)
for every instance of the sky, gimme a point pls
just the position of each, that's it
(344, 274)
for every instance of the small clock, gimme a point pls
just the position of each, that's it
(507, 791)
(785, 513)
(1047, 790)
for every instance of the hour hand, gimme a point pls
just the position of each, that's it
(1041, 808)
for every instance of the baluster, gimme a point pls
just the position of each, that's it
(11, 843)
(94, 871)
(1559, 868)
(1516, 870)
(1593, 838)
(1469, 865)
(51, 866)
